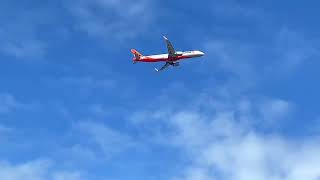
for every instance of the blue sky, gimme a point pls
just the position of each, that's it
(74, 107)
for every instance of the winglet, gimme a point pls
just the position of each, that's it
(165, 38)
(156, 69)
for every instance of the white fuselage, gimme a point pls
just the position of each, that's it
(178, 56)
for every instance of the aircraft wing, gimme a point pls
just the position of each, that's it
(163, 67)
(171, 51)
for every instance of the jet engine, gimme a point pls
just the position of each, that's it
(175, 64)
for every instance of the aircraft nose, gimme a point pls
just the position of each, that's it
(201, 53)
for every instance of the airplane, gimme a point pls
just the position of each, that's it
(171, 58)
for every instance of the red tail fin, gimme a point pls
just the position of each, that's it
(136, 54)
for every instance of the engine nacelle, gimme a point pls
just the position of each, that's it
(176, 64)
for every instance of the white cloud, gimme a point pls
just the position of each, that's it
(197, 173)
(111, 20)
(293, 49)
(101, 138)
(222, 139)
(232, 152)
(102, 111)
(36, 170)
(18, 33)
(233, 57)
(246, 64)
(253, 156)
(225, 148)
(25, 48)
(9, 103)
(274, 109)
(278, 51)
(79, 154)
(233, 9)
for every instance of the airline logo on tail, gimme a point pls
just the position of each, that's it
(136, 54)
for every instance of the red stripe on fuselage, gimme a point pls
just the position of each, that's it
(150, 59)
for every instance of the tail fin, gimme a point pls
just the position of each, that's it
(136, 54)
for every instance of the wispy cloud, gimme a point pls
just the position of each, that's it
(25, 49)
(246, 64)
(256, 47)
(111, 20)
(272, 110)
(235, 58)
(293, 50)
(19, 33)
(103, 139)
(9, 103)
(36, 170)
(233, 9)
(115, 84)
